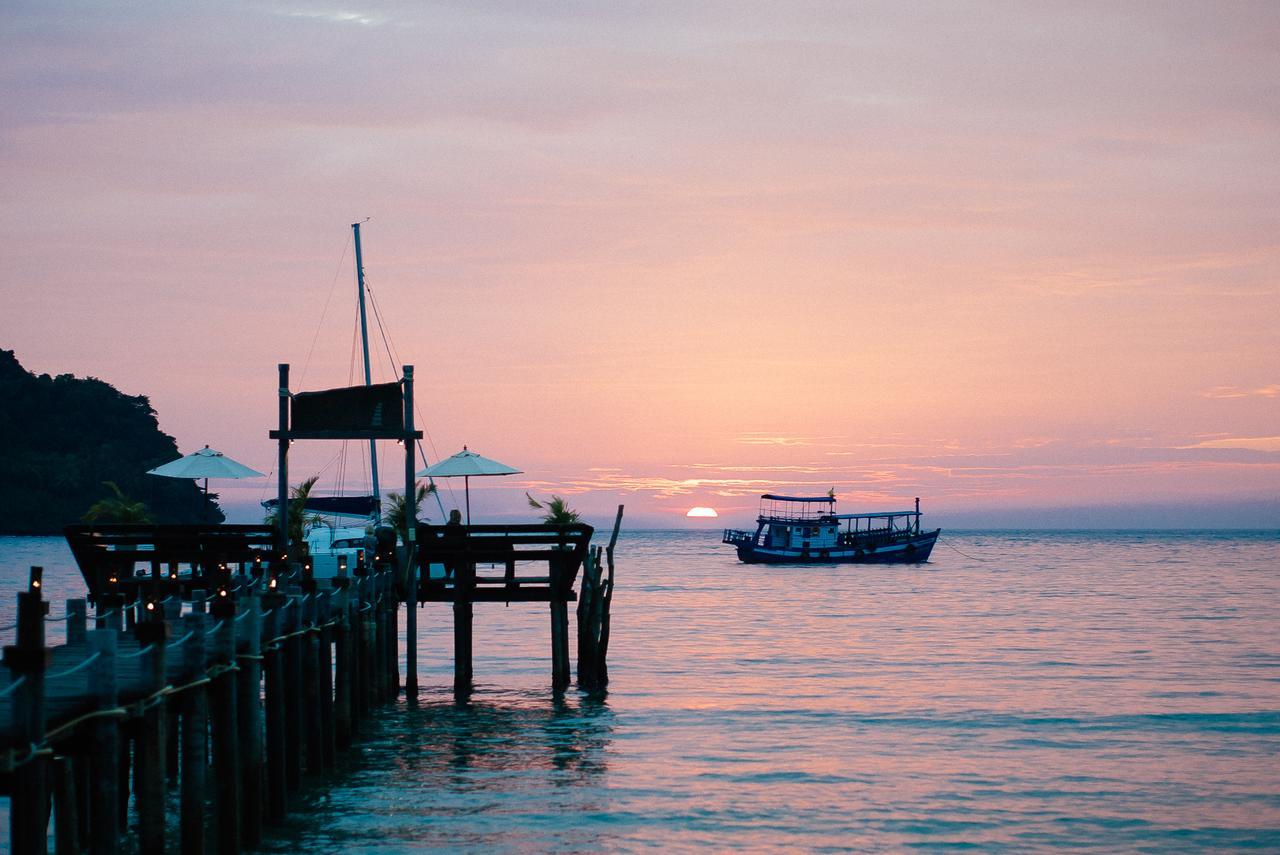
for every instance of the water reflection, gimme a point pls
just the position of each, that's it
(499, 772)
(529, 733)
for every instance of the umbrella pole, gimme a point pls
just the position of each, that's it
(206, 498)
(466, 487)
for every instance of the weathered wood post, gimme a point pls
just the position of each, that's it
(391, 638)
(359, 652)
(77, 621)
(311, 683)
(109, 610)
(559, 625)
(324, 668)
(464, 583)
(66, 822)
(226, 743)
(410, 553)
(602, 645)
(195, 732)
(104, 746)
(282, 465)
(172, 604)
(295, 728)
(378, 640)
(149, 778)
(588, 628)
(27, 660)
(273, 662)
(342, 726)
(249, 721)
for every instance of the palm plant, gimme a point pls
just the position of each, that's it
(557, 510)
(299, 519)
(397, 516)
(117, 509)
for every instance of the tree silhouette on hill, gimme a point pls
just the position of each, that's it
(64, 437)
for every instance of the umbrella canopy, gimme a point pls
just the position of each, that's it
(205, 463)
(466, 464)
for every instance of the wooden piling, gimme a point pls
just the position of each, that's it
(378, 644)
(560, 645)
(104, 747)
(324, 671)
(293, 699)
(149, 777)
(274, 708)
(226, 747)
(411, 557)
(249, 721)
(310, 649)
(195, 732)
(66, 822)
(27, 661)
(342, 685)
(463, 615)
(77, 621)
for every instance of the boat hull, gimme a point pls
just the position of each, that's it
(907, 550)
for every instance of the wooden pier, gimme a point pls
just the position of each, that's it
(130, 704)
(216, 665)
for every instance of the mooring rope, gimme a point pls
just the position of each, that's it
(965, 554)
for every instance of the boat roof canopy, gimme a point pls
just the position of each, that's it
(774, 498)
(880, 515)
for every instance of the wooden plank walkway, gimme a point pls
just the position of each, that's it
(128, 706)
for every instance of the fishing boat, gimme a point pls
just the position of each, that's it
(807, 530)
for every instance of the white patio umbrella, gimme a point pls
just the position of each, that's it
(205, 463)
(467, 464)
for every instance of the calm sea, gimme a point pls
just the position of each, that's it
(1116, 691)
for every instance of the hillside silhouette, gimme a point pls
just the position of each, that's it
(64, 436)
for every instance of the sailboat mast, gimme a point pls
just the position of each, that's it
(364, 345)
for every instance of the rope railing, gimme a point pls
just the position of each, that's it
(13, 687)
(80, 666)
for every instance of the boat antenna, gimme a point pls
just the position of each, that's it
(364, 344)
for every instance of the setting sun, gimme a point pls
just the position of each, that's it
(702, 512)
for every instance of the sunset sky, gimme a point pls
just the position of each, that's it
(996, 255)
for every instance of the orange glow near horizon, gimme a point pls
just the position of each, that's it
(689, 260)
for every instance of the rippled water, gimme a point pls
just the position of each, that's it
(1033, 690)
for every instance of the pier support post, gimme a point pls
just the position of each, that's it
(310, 643)
(150, 742)
(226, 743)
(249, 722)
(104, 747)
(27, 660)
(66, 823)
(559, 645)
(359, 653)
(324, 668)
(411, 559)
(342, 662)
(296, 726)
(463, 616)
(273, 662)
(77, 621)
(195, 735)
